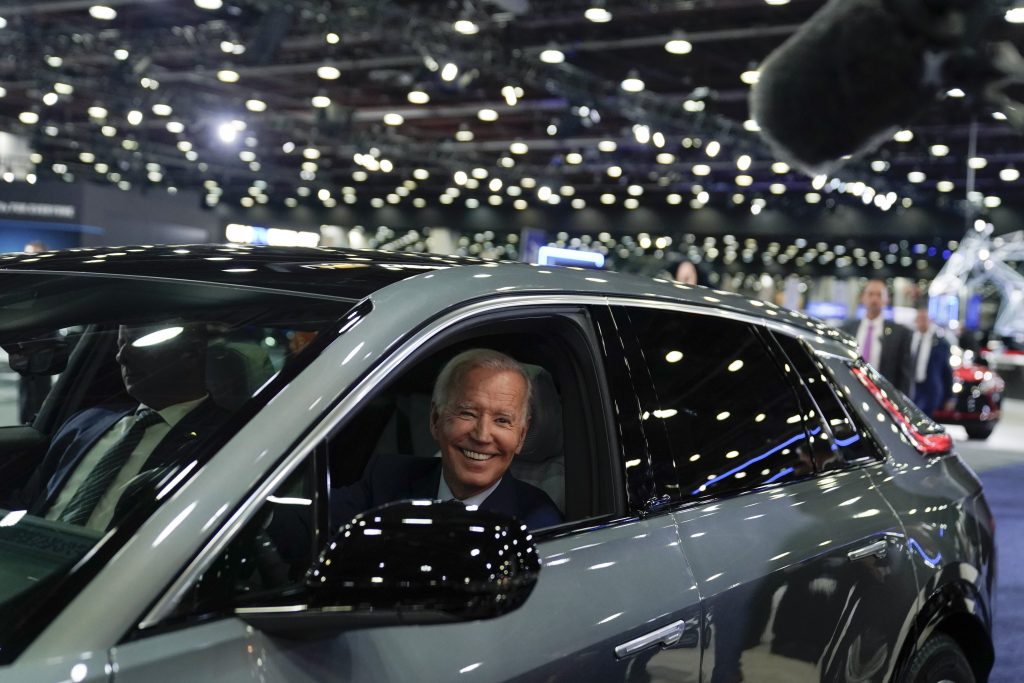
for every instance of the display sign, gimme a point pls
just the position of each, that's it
(37, 210)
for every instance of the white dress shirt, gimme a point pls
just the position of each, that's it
(445, 493)
(925, 341)
(876, 343)
(104, 510)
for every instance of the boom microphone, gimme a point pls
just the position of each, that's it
(858, 70)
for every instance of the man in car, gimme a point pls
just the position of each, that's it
(883, 343)
(102, 451)
(479, 417)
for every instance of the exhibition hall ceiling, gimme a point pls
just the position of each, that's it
(512, 103)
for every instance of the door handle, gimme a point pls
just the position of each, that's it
(878, 549)
(666, 636)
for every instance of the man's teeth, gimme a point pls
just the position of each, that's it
(473, 455)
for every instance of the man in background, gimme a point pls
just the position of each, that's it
(883, 343)
(933, 377)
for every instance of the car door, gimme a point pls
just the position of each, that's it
(613, 590)
(795, 554)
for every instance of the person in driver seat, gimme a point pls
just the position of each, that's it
(479, 416)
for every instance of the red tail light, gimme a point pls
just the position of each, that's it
(928, 444)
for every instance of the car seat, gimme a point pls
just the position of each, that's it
(235, 370)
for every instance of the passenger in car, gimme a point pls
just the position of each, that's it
(103, 451)
(479, 417)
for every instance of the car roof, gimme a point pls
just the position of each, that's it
(358, 273)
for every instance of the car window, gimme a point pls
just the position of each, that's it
(729, 418)
(28, 370)
(845, 439)
(152, 377)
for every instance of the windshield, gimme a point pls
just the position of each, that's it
(109, 386)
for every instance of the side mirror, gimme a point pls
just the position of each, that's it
(413, 562)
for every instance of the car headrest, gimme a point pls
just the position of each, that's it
(544, 438)
(235, 370)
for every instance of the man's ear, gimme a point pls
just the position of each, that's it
(435, 419)
(522, 437)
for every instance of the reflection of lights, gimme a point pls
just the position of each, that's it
(867, 513)
(665, 414)
(12, 518)
(158, 337)
(930, 561)
(289, 501)
(779, 475)
(601, 565)
(724, 415)
(735, 365)
(674, 356)
(739, 468)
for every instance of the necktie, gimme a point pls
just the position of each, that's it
(88, 495)
(917, 358)
(869, 339)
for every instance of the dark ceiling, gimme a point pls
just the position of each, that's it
(510, 128)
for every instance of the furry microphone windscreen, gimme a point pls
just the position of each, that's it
(841, 85)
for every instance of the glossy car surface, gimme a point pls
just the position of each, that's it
(743, 498)
(978, 391)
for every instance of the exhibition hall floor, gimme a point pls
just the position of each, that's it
(999, 462)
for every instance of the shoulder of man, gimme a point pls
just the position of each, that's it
(534, 506)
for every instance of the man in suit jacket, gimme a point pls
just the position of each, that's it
(163, 369)
(933, 377)
(882, 343)
(479, 417)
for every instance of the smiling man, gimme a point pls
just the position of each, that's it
(479, 416)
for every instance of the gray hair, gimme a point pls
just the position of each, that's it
(457, 368)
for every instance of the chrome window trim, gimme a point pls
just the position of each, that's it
(167, 602)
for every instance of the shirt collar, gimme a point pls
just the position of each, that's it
(173, 414)
(445, 493)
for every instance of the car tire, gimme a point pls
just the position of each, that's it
(979, 432)
(938, 661)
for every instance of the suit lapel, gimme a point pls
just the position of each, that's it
(425, 484)
(503, 498)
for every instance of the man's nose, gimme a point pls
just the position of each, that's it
(482, 430)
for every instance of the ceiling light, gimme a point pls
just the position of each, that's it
(632, 84)
(311, 153)
(54, 61)
(780, 167)
(674, 199)
(776, 3)
(750, 125)
(1015, 15)
(678, 46)
(50, 99)
(162, 109)
(321, 101)
(227, 132)
(939, 150)
(418, 97)
(750, 77)
(209, 4)
(87, 157)
(108, 131)
(102, 12)
(607, 146)
(518, 148)
(945, 186)
(175, 127)
(227, 76)
(28, 117)
(999, 116)
(777, 188)
(464, 135)
(701, 169)
(812, 197)
(466, 27)
(955, 92)
(393, 119)
(487, 115)
(713, 148)
(744, 180)
(3, 23)
(421, 174)
(134, 117)
(552, 56)
(743, 162)
(328, 72)
(97, 112)
(332, 38)
(992, 202)
(665, 158)
(916, 177)
(904, 135)
(614, 171)
(255, 105)
(574, 158)
(449, 72)
(1009, 175)
(977, 163)
(607, 198)
(635, 190)
(63, 88)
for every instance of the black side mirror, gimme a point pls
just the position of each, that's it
(412, 562)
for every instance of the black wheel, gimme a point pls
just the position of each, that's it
(940, 661)
(980, 431)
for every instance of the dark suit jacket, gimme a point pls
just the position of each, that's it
(895, 361)
(389, 478)
(76, 436)
(937, 386)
